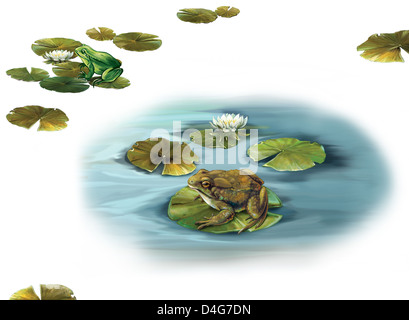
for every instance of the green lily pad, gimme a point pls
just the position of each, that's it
(50, 119)
(210, 138)
(186, 208)
(119, 83)
(64, 84)
(22, 74)
(50, 44)
(102, 34)
(48, 292)
(177, 164)
(385, 47)
(197, 15)
(291, 154)
(227, 11)
(69, 69)
(25, 294)
(137, 41)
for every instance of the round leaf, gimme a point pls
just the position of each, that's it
(197, 15)
(69, 69)
(50, 119)
(177, 158)
(292, 154)
(186, 208)
(210, 138)
(25, 294)
(36, 74)
(137, 41)
(64, 84)
(102, 34)
(50, 44)
(227, 11)
(56, 292)
(119, 83)
(385, 47)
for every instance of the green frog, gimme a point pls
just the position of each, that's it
(229, 192)
(98, 62)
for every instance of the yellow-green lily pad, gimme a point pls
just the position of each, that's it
(102, 34)
(186, 208)
(291, 154)
(385, 47)
(40, 47)
(210, 138)
(50, 119)
(48, 292)
(25, 294)
(197, 15)
(137, 41)
(119, 83)
(227, 11)
(69, 69)
(64, 84)
(23, 74)
(178, 159)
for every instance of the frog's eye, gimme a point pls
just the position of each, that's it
(205, 184)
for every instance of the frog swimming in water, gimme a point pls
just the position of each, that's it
(229, 192)
(98, 62)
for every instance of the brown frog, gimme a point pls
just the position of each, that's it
(229, 192)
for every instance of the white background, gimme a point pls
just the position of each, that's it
(298, 50)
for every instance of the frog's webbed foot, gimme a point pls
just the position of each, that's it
(257, 208)
(222, 217)
(96, 81)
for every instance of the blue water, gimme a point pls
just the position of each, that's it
(319, 204)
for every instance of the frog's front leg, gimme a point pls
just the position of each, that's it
(91, 71)
(225, 215)
(109, 75)
(257, 208)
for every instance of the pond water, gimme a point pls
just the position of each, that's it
(319, 204)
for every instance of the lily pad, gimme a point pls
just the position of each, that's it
(119, 83)
(25, 294)
(197, 15)
(48, 292)
(50, 44)
(102, 34)
(210, 138)
(186, 208)
(22, 74)
(64, 84)
(291, 154)
(69, 69)
(137, 41)
(180, 163)
(227, 11)
(50, 119)
(385, 47)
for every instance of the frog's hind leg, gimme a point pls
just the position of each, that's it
(257, 208)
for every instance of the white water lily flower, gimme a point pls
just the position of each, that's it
(229, 122)
(58, 55)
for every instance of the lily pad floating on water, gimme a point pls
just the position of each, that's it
(119, 83)
(64, 84)
(178, 159)
(385, 47)
(137, 41)
(48, 292)
(40, 47)
(197, 15)
(50, 119)
(227, 11)
(69, 69)
(210, 138)
(22, 74)
(291, 154)
(186, 208)
(102, 34)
